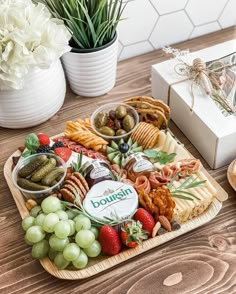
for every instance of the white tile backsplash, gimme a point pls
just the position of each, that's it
(139, 19)
(167, 6)
(152, 24)
(205, 29)
(138, 48)
(203, 11)
(164, 34)
(228, 16)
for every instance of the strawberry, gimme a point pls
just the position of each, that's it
(146, 219)
(109, 240)
(63, 152)
(132, 234)
(43, 139)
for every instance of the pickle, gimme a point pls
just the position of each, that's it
(42, 172)
(32, 166)
(52, 175)
(28, 185)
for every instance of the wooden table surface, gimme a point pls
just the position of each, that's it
(206, 257)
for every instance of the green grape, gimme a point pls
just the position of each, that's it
(84, 238)
(71, 252)
(35, 234)
(58, 244)
(81, 261)
(60, 262)
(72, 213)
(39, 219)
(62, 229)
(52, 254)
(72, 227)
(94, 249)
(28, 242)
(62, 215)
(27, 222)
(51, 204)
(78, 216)
(49, 222)
(35, 211)
(82, 223)
(40, 249)
(95, 230)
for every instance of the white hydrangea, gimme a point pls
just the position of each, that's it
(29, 38)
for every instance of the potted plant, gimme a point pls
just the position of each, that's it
(91, 64)
(32, 82)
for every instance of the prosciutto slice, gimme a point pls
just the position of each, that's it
(157, 180)
(142, 185)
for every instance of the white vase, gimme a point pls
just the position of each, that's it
(92, 73)
(42, 96)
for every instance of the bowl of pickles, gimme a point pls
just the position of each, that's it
(114, 121)
(39, 175)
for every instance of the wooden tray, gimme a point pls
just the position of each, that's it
(102, 263)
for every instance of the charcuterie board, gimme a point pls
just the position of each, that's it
(103, 263)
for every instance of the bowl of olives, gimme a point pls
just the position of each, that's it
(114, 121)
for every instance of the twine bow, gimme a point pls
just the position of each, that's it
(206, 77)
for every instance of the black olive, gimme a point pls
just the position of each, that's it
(124, 147)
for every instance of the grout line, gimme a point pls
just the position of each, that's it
(219, 16)
(189, 18)
(186, 4)
(167, 13)
(153, 28)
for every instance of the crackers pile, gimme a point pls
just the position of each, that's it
(150, 110)
(146, 135)
(78, 132)
(75, 185)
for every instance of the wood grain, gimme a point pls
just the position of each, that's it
(205, 257)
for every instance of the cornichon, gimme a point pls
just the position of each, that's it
(42, 172)
(28, 185)
(29, 168)
(52, 175)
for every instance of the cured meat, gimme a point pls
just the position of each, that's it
(142, 185)
(189, 167)
(74, 146)
(157, 180)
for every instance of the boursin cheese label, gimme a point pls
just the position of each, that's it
(109, 198)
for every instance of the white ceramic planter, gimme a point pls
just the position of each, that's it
(92, 74)
(42, 96)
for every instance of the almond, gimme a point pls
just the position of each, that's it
(165, 222)
(155, 229)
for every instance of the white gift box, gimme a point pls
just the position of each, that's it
(212, 133)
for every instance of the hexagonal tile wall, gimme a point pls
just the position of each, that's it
(228, 16)
(167, 6)
(140, 17)
(152, 24)
(170, 29)
(204, 11)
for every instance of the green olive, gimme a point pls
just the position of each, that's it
(128, 123)
(120, 132)
(107, 131)
(121, 111)
(101, 119)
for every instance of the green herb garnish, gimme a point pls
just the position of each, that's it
(161, 156)
(76, 166)
(180, 192)
(31, 144)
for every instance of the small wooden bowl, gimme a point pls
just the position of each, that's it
(231, 176)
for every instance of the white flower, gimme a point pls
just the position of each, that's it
(29, 38)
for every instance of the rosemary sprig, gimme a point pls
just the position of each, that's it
(76, 166)
(189, 183)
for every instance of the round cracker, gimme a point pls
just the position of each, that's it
(82, 180)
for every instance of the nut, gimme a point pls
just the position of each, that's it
(30, 203)
(165, 223)
(155, 229)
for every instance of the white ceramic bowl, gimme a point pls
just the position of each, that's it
(112, 106)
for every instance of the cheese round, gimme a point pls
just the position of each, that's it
(111, 199)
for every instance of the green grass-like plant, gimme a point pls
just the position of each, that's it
(93, 23)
